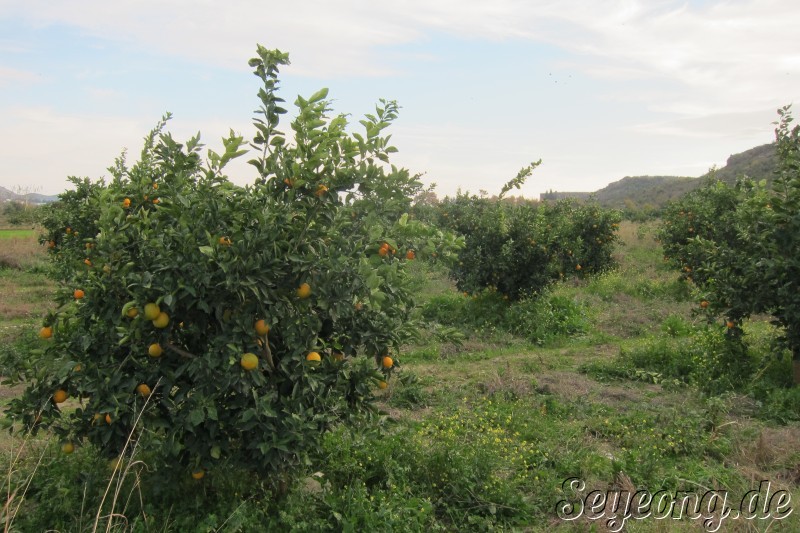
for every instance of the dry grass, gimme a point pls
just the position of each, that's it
(21, 252)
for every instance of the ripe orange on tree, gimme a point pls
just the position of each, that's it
(126, 203)
(387, 362)
(198, 474)
(261, 328)
(143, 389)
(67, 448)
(704, 304)
(162, 320)
(46, 332)
(249, 361)
(60, 396)
(155, 350)
(132, 312)
(382, 384)
(108, 418)
(410, 255)
(78, 294)
(304, 291)
(313, 357)
(321, 189)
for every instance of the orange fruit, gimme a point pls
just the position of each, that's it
(321, 189)
(410, 255)
(143, 389)
(198, 474)
(382, 384)
(132, 312)
(224, 241)
(288, 182)
(387, 362)
(77, 368)
(383, 251)
(313, 357)
(126, 203)
(162, 320)
(304, 291)
(151, 311)
(60, 396)
(78, 294)
(578, 267)
(704, 304)
(46, 332)
(155, 350)
(67, 448)
(730, 324)
(87, 262)
(156, 200)
(261, 328)
(108, 418)
(68, 230)
(51, 244)
(249, 361)
(155, 185)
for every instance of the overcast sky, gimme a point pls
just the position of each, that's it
(597, 89)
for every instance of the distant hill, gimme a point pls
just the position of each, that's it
(33, 198)
(653, 192)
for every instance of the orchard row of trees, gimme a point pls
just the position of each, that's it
(209, 325)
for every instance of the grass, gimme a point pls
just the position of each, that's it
(484, 424)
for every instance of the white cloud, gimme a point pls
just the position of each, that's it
(10, 76)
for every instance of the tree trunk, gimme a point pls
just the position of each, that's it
(796, 365)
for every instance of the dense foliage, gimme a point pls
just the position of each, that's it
(518, 250)
(741, 244)
(209, 324)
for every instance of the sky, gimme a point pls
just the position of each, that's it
(596, 89)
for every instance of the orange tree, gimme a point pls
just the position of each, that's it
(227, 322)
(740, 244)
(519, 250)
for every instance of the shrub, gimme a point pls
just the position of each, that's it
(177, 268)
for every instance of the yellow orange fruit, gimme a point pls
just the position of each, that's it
(249, 361)
(410, 255)
(78, 294)
(143, 389)
(382, 384)
(198, 474)
(108, 418)
(151, 311)
(304, 291)
(387, 362)
(261, 327)
(578, 267)
(87, 262)
(46, 332)
(730, 324)
(321, 189)
(704, 304)
(67, 448)
(126, 203)
(132, 312)
(313, 357)
(162, 320)
(155, 350)
(60, 396)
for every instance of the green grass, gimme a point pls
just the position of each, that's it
(17, 233)
(613, 379)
